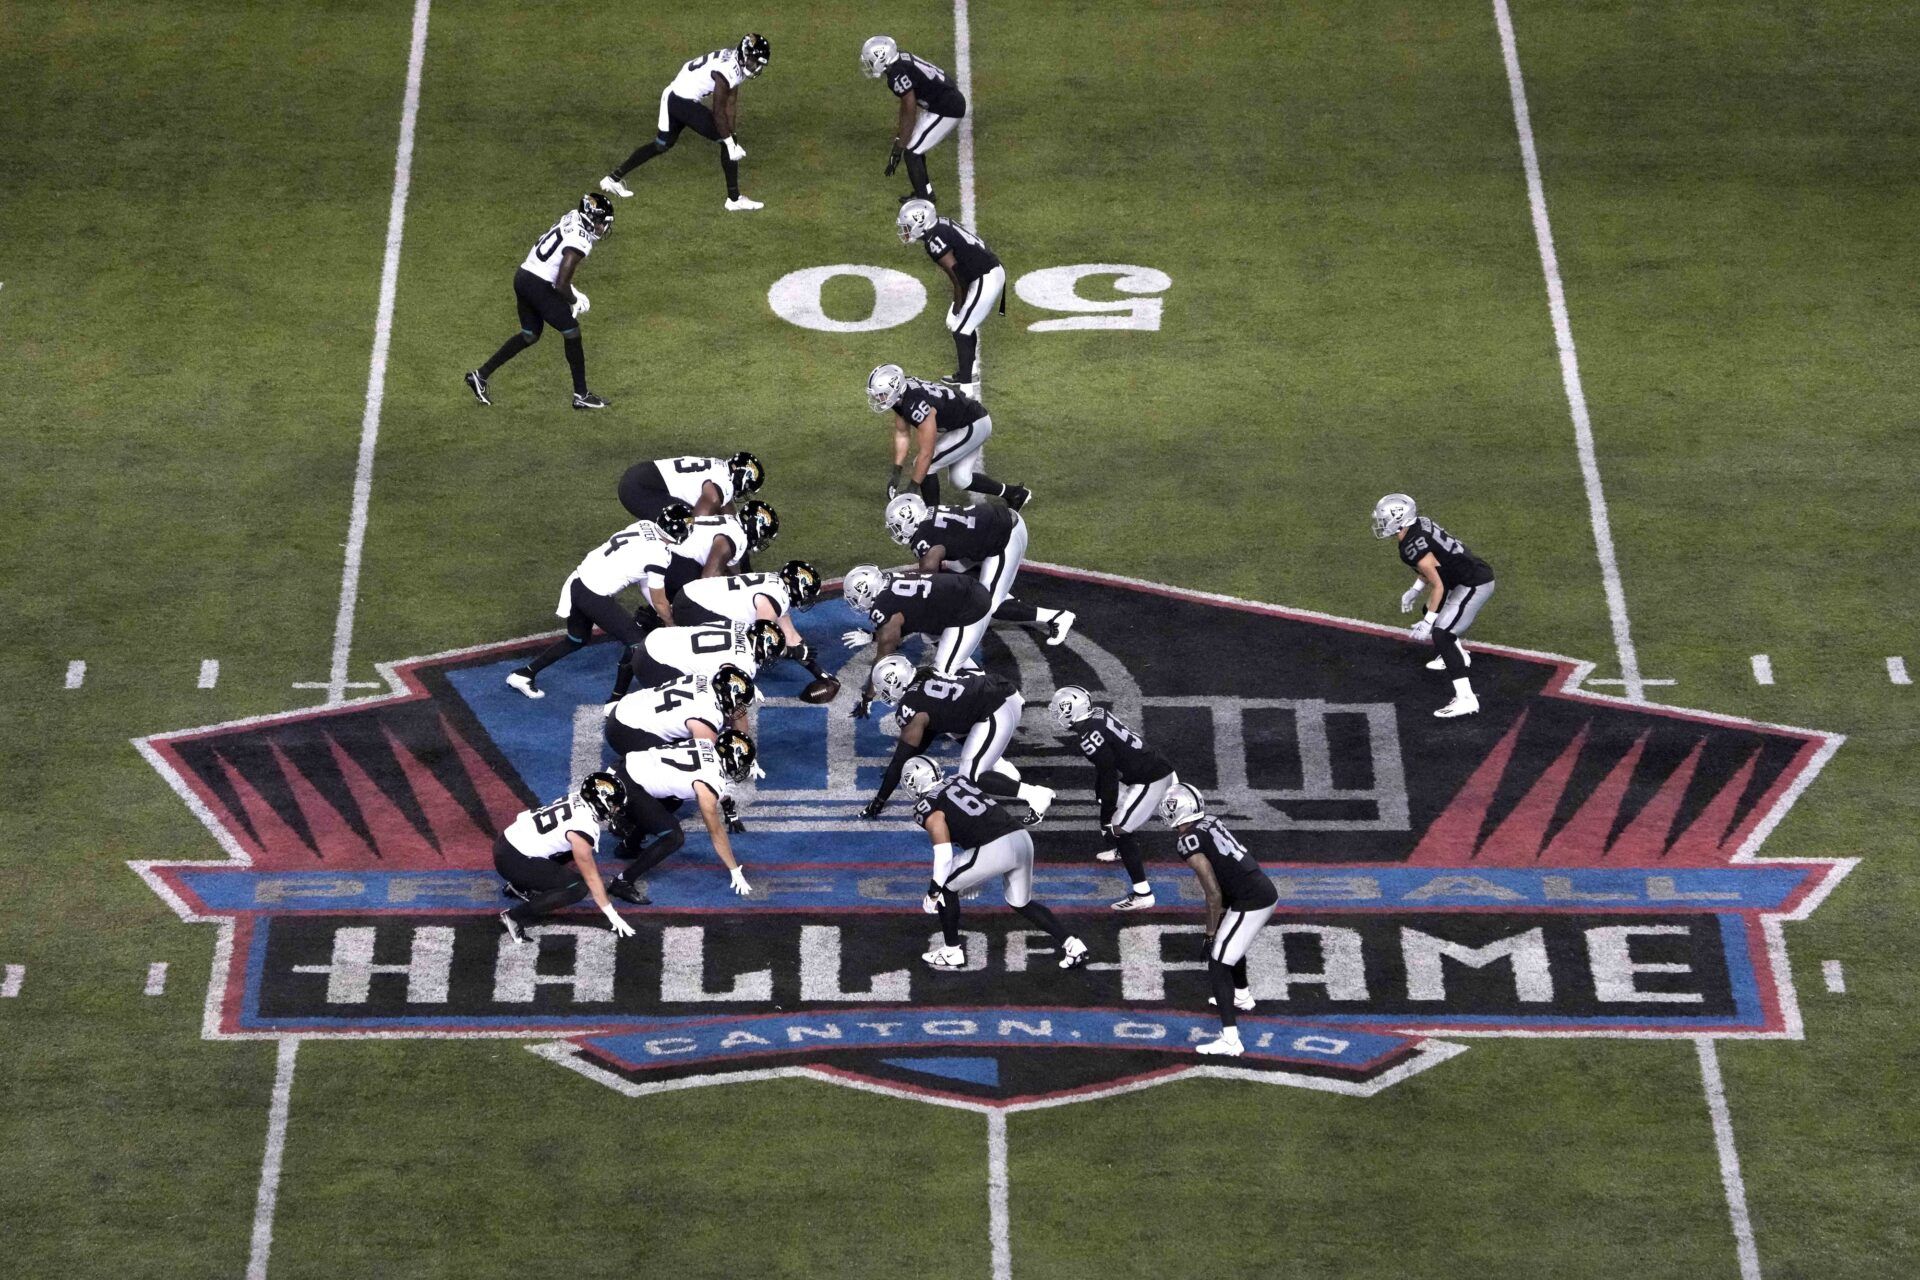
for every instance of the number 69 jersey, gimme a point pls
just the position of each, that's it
(663, 710)
(542, 832)
(568, 233)
(702, 650)
(669, 773)
(973, 817)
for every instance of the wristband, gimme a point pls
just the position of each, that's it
(1431, 618)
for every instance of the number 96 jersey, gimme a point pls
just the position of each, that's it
(669, 773)
(544, 258)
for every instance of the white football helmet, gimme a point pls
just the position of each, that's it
(1071, 704)
(891, 676)
(915, 220)
(920, 776)
(1392, 514)
(885, 386)
(1181, 805)
(905, 514)
(877, 54)
(861, 586)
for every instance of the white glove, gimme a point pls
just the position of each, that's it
(580, 304)
(1422, 630)
(930, 905)
(735, 152)
(621, 929)
(755, 772)
(953, 319)
(737, 881)
(1411, 594)
(857, 638)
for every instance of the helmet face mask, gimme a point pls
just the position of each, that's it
(1392, 514)
(754, 52)
(915, 219)
(885, 385)
(747, 473)
(766, 640)
(876, 55)
(862, 586)
(892, 677)
(802, 582)
(760, 522)
(905, 515)
(1071, 704)
(920, 776)
(604, 795)
(736, 753)
(597, 212)
(733, 690)
(1182, 804)
(676, 521)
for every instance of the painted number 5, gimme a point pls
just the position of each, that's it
(1058, 289)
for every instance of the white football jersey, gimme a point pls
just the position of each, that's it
(542, 832)
(702, 650)
(664, 710)
(568, 233)
(695, 79)
(735, 596)
(638, 553)
(668, 773)
(699, 542)
(684, 477)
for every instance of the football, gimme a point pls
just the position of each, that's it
(825, 689)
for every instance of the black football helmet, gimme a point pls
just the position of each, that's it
(760, 523)
(766, 640)
(597, 211)
(604, 795)
(748, 475)
(802, 582)
(676, 521)
(736, 753)
(733, 690)
(754, 53)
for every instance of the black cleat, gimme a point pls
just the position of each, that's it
(587, 400)
(953, 380)
(1018, 496)
(513, 929)
(627, 891)
(512, 890)
(477, 385)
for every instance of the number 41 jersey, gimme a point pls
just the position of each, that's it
(568, 233)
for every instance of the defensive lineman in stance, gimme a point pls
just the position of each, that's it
(947, 605)
(718, 75)
(930, 106)
(989, 539)
(708, 485)
(974, 840)
(638, 553)
(943, 429)
(546, 855)
(1119, 756)
(986, 708)
(972, 269)
(659, 781)
(1240, 899)
(1456, 583)
(544, 293)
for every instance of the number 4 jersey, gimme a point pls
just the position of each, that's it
(542, 832)
(570, 232)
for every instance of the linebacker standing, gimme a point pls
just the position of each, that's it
(1457, 583)
(930, 106)
(543, 291)
(1119, 755)
(972, 269)
(1240, 900)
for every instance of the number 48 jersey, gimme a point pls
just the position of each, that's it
(568, 233)
(543, 832)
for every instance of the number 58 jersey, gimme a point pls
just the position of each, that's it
(568, 233)
(669, 773)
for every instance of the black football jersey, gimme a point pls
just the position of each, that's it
(929, 603)
(1459, 567)
(973, 817)
(1107, 741)
(927, 83)
(1243, 885)
(953, 409)
(954, 704)
(971, 257)
(967, 533)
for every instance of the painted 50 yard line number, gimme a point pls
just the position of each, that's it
(899, 297)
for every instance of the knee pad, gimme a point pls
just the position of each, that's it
(570, 335)
(530, 336)
(662, 143)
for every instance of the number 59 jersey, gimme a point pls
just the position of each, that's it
(702, 650)
(669, 773)
(542, 832)
(568, 233)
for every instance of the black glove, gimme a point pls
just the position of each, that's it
(874, 808)
(893, 484)
(893, 161)
(731, 812)
(862, 707)
(801, 653)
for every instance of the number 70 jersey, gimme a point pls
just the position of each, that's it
(568, 233)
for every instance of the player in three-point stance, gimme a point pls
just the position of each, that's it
(1240, 899)
(638, 553)
(667, 653)
(972, 269)
(755, 597)
(697, 706)
(984, 708)
(976, 839)
(943, 430)
(717, 75)
(659, 781)
(930, 106)
(947, 605)
(543, 291)
(708, 485)
(1119, 756)
(719, 542)
(988, 538)
(546, 855)
(1456, 583)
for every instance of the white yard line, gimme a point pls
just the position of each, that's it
(1762, 669)
(269, 1194)
(16, 974)
(209, 672)
(1634, 686)
(156, 979)
(1897, 671)
(998, 1224)
(1836, 977)
(76, 674)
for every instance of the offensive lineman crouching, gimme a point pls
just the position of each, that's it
(1240, 899)
(546, 855)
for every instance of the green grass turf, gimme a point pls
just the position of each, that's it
(1356, 306)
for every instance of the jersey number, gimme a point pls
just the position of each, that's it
(548, 243)
(967, 800)
(546, 820)
(671, 697)
(620, 540)
(911, 587)
(943, 690)
(712, 641)
(944, 519)
(691, 466)
(691, 756)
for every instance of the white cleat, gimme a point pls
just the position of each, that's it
(611, 185)
(1107, 855)
(1440, 664)
(1058, 628)
(523, 681)
(1242, 1000)
(948, 958)
(740, 204)
(1134, 902)
(1039, 799)
(1074, 954)
(1463, 704)
(1227, 1046)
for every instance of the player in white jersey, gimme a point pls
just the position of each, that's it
(663, 779)
(667, 653)
(756, 597)
(638, 553)
(546, 855)
(708, 485)
(717, 75)
(690, 707)
(543, 291)
(718, 543)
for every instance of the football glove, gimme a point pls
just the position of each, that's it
(953, 318)
(580, 303)
(735, 152)
(893, 483)
(893, 160)
(621, 929)
(931, 903)
(858, 638)
(755, 772)
(875, 807)
(1411, 594)
(1423, 629)
(731, 813)
(737, 881)
(862, 707)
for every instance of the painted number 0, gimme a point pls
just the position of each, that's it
(899, 297)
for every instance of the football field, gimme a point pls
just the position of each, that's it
(1609, 980)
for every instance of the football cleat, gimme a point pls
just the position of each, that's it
(953, 380)
(876, 55)
(508, 889)
(513, 929)
(1181, 805)
(1440, 664)
(1018, 496)
(587, 400)
(1463, 704)
(1134, 902)
(523, 681)
(948, 958)
(1059, 625)
(1242, 1000)
(1227, 1046)
(1392, 514)
(477, 385)
(611, 185)
(1107, 855)
(740, 204)
(1074, 954)
(627, 891)
(1038, 798)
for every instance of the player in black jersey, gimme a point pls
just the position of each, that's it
(1240, 899)
(1119, 756)
(988, 539)
(1457, 583)
(975, 838)
(930, 106)
(943, 429)
(974, 271)
(985, 708)
(956, 609)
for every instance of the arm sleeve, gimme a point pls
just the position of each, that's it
(901, 754)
